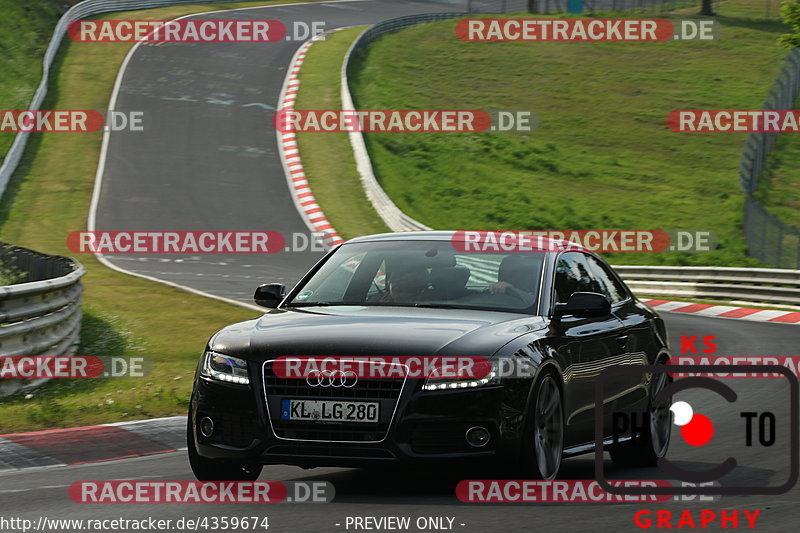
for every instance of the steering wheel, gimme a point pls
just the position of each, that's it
(513, 293)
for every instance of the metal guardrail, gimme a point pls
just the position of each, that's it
(76, 12)
(391, 215)
(775, 286)
(396, 24)
(41, 314)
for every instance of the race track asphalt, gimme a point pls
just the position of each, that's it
(208, 162)
(207, 158)
(365, 492)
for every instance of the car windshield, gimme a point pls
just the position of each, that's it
(424, 274)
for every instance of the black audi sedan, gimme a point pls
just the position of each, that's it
(548, 320)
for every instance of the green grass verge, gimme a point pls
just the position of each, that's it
(328, 157)
(48, 197)
(601, 157)
(25, 31)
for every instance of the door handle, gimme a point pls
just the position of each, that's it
(622, 340)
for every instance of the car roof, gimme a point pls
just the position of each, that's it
(551, 245)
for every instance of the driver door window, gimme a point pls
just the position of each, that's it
(606, 283)
(572, 275)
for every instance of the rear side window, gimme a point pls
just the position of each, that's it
(606, 282)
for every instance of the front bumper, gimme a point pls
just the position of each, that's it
(426, 427)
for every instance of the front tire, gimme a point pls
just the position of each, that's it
(543, 446)
(217, 469)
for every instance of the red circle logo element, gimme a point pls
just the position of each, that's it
(698, 431)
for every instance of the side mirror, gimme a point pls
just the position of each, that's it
(584, 305)
(270, 294)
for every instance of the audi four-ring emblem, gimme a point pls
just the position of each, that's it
(333, 378)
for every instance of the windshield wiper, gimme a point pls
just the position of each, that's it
(372, 304)
(322, 304)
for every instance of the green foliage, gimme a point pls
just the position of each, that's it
(9, 273)
(602, 156)
(25, 30)
(790, 14)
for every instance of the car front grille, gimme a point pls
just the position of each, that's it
(386, 391)
(365, 389)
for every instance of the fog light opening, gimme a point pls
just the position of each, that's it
(477, 436)
(207, 427)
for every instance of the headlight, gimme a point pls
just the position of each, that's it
(491, 378)
(225, 368)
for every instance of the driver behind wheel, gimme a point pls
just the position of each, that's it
(406, 283)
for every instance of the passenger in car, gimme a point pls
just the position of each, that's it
(450, 282)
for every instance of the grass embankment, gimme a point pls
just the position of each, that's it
(328, 157)
(25, 30)
(601, 157)
(48, 197)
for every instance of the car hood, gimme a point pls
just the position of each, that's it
(375, 331)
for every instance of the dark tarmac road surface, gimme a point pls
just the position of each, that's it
(208, 162)
(402, 492)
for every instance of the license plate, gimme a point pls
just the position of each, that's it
(329, 411)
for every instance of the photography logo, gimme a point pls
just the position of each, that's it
(696, 429)
(757, 429)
